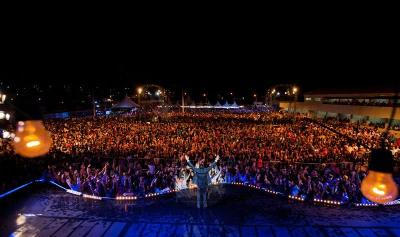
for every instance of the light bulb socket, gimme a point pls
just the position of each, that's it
(381, 161)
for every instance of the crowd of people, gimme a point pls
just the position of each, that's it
(362, 102)
(134, 155)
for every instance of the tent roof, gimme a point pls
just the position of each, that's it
(126, 103)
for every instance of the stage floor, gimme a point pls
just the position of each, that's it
(235, 211)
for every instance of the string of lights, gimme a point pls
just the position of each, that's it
(152, 195)
(291, 197)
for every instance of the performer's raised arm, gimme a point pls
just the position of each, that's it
(189, 163)
(214, 163)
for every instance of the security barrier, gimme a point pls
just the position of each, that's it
(150, 195)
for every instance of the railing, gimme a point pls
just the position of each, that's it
(325, 202)
(20, 187)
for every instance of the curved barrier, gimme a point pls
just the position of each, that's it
(131, 198)
(20, 187)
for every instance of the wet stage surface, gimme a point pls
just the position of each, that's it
(232, 211)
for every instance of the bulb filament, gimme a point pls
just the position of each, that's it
(32, 144)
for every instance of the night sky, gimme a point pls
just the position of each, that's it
(232, 54)
(214, 75)
(243, 68)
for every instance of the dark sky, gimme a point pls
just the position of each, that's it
(213, 75)
(243, 65)
(230, 54)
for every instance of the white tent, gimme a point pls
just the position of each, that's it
(126, 103)
(217, 104)
(227, 104)
(234, 104)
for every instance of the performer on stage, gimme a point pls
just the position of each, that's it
(202, 179)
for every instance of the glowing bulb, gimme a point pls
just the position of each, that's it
(378, 186)
(32, 139)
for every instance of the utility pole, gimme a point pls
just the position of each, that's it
(295, 92)
(139, 93)
(94, 105)
(94, 108)
(183, 102)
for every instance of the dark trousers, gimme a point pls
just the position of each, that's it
(201, 194)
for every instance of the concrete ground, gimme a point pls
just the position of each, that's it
(232, 211)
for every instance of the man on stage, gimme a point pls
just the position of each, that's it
(202, 179)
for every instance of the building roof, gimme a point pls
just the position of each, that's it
(126, 103)
(353, 92)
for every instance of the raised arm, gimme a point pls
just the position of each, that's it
(189, 163)
(214, 163)
(217, 175)
(186, 177)
(217, 171)
(88, 170)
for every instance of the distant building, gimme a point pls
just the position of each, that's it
(373, 106)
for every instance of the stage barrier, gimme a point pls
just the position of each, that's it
(151, 195)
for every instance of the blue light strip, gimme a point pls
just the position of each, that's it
(56, 184)
(396, 202)
(15, 189)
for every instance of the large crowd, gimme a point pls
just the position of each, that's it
(135, 155)
(362, 102)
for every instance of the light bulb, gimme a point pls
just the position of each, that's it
(378, 186)
(32, 139)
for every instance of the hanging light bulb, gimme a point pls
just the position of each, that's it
(378, 186)
(31, 139)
